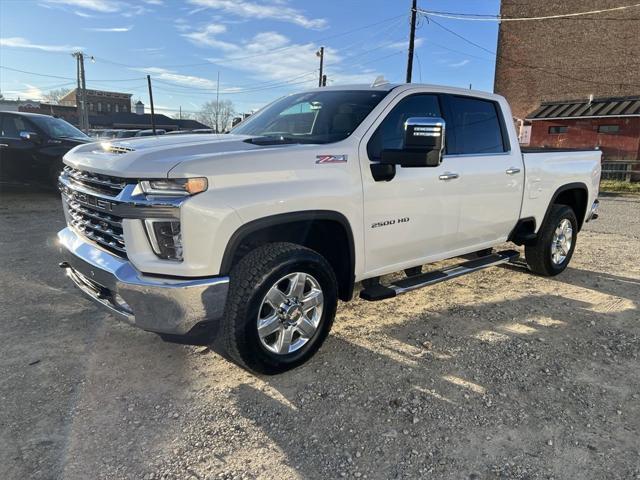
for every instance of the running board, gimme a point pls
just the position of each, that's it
(382, 292)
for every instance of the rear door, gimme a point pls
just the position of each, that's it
(490, 173)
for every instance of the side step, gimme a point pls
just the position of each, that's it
(382, 292)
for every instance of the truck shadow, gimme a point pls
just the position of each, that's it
(455, 392)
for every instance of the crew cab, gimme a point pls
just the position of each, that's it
(250, 238)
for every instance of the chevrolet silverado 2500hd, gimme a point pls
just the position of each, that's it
(259, 232)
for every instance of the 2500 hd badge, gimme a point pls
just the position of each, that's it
(386, 223)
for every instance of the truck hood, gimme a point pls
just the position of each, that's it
(152, 157)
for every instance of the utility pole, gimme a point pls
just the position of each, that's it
(85, 109)
(81, 97)
(412, 37)
(153, 116)
(217, 101)
(320, 53)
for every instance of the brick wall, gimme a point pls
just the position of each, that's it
(583, 133)
(590, 55)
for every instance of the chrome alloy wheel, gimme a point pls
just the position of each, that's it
(290, 313)
(561, 243)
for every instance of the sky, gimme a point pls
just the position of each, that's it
(261, 49)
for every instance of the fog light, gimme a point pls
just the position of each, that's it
(165, 238)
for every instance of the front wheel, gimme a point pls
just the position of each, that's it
(555, 244)
(281, 305)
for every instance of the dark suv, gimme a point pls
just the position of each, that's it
(32, 147)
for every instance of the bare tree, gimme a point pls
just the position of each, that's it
(217, 115)
(54, 96)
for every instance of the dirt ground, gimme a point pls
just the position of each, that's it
(499, 374)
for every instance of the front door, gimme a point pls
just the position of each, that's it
(413, 217)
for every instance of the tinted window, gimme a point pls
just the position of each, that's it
(558, 129)
(475, 126)
(312, 117)
(390, 133)
(12, 125)
(608, 128)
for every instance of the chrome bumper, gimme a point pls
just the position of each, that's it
(155, 304)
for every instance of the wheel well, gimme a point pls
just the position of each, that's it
(330, 237)
(576, 198)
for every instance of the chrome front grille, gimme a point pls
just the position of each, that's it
(90, 200)
(103, 184)
(102, 228)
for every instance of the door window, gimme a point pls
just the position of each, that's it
(12, 125)
(475, 126)
(390, 133)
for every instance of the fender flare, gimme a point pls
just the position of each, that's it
(253, 226)
(564, 188)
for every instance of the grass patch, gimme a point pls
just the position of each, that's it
(619, 186)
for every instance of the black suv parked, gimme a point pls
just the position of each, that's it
(32, 147)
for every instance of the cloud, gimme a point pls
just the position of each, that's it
(102, 6)
(263, 57)
(459, 64)
(273, 11)
(404, 44)
(175, 77)
(20, 42)
(30, 93)
(206, 37)
(83, 15)
(110, 29)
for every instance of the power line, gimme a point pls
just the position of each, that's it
(499, 18)
(69, 78)
(536, 67)
(261, 54)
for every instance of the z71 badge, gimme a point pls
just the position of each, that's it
(321, 159)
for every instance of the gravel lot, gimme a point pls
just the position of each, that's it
(500, 374)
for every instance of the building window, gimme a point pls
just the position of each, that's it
(91, 107)
(117, 108)
(109, 107)
(99, 106)
(608, 128)
(558, 130)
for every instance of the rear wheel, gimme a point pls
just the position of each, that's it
(281, 305)
(555, 244)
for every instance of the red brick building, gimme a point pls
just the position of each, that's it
(611, 124)
(558, 59)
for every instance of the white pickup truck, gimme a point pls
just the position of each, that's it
(250, 238)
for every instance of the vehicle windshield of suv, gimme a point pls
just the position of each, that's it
(311, 117)
(58, 128)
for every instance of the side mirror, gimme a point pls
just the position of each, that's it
(30, 137)
(423, 144)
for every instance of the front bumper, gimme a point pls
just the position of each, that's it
(153, 303)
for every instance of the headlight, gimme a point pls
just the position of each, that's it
(178, 187)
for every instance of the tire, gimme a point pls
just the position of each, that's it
(539, 256)
(275, 269)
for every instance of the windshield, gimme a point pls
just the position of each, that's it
(58, 128)
(312, 117)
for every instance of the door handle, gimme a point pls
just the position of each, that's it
(512, 170)
(448, 176)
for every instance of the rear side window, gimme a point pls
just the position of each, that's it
(475, 126)
(390, 133)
